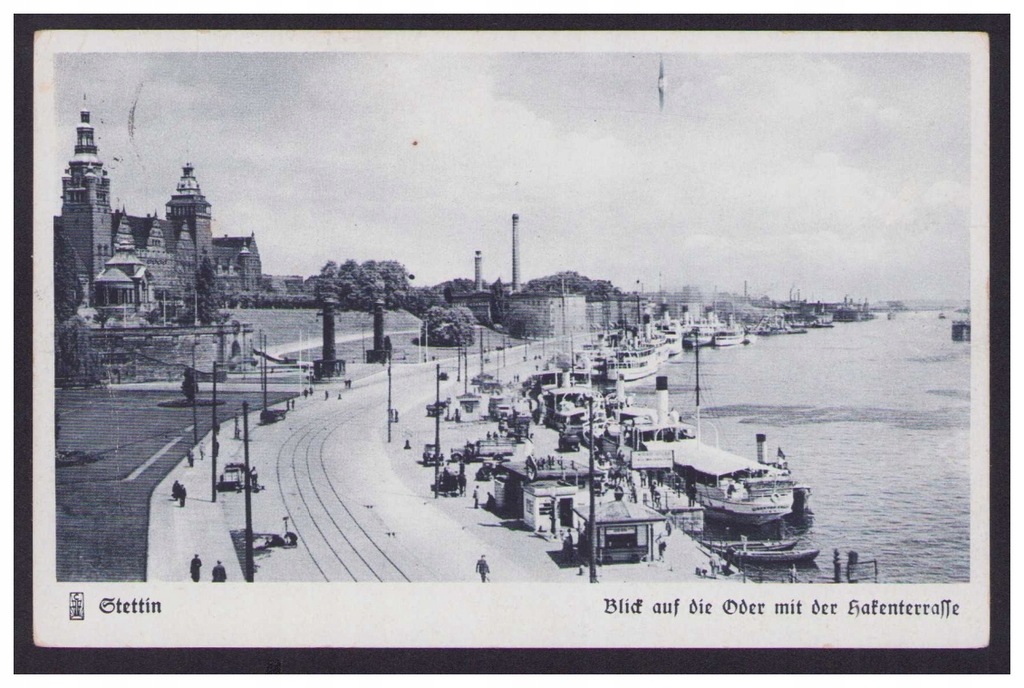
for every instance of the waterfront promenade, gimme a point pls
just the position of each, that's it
(364, 510)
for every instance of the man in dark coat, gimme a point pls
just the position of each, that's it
(196, 565)
(482, 568)
(181, 496)
(220, 575)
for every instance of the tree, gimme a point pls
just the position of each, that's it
(499, 302)
(208, 297)
(418, 300)
(572, 283)
(450, 326)
(73, 355)
(67, 290)
(190, 385)
(358, 286)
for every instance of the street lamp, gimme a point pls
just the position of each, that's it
(592, 535)
(215, 445)
(249, 564)
(195, 393)
(437, 427)
(390, 412)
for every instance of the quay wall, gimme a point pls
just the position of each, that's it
(144, 354)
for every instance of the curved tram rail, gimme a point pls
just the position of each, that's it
(339, 545)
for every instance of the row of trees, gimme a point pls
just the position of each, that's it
(571, 282)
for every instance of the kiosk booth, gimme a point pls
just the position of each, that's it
(469, 406)
(548, 505)
(625, 531)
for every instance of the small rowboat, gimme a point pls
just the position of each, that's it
(771, 557)
(752, 545)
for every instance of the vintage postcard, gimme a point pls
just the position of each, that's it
(511, 339)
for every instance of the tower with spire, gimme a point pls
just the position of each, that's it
(85, 217)
(165, 253)
(188, 211)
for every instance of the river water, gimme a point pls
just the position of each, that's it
(873, 416)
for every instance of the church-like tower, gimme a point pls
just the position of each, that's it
(188, 211)
(85, 213)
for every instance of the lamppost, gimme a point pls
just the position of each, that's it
(249, 566)
(215, 445)
(195, 393)
(390, 412)
(437, 427)
(592, 535)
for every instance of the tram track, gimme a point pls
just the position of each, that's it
(333, 538)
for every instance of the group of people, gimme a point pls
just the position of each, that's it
(178, 493)
(220, 574)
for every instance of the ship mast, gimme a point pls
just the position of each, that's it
(696, 351)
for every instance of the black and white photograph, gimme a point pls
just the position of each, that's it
(700, 318)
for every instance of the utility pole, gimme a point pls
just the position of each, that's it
(437, 427)
(215, 445)
(592, 534)
(390, 412)
(262, 413)
(249, 567)
(195, 394)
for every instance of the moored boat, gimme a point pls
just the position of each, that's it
(738, 555)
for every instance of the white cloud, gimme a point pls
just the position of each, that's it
(821, 169)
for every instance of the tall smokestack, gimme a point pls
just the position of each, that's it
(477, 261)
(620, 389)
(760, 447)
(515, 252)
(661, 392)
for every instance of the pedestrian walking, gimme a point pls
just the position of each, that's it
(181, 496)
(176, 491)
(476, 497)
(661, 550)
(482, 568)
(195, 567)
(327, 395)
(191, 458)
(220, 574)
(462, 484)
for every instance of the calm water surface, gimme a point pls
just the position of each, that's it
(873, 416)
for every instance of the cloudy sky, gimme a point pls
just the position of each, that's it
(839, 174)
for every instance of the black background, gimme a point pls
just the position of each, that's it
(994, 659)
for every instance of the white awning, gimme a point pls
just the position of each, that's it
(711, 460)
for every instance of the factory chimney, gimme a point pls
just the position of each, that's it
(661, 392)
(760, 447)
(515, 252)
(477, 261)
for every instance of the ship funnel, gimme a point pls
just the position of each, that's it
(661, 391)
(620, 389)
(761, 437)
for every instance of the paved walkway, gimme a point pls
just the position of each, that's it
(363, 509)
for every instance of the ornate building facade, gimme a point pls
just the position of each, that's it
(163, 254)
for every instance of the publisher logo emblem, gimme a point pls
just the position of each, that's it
(76, 606)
